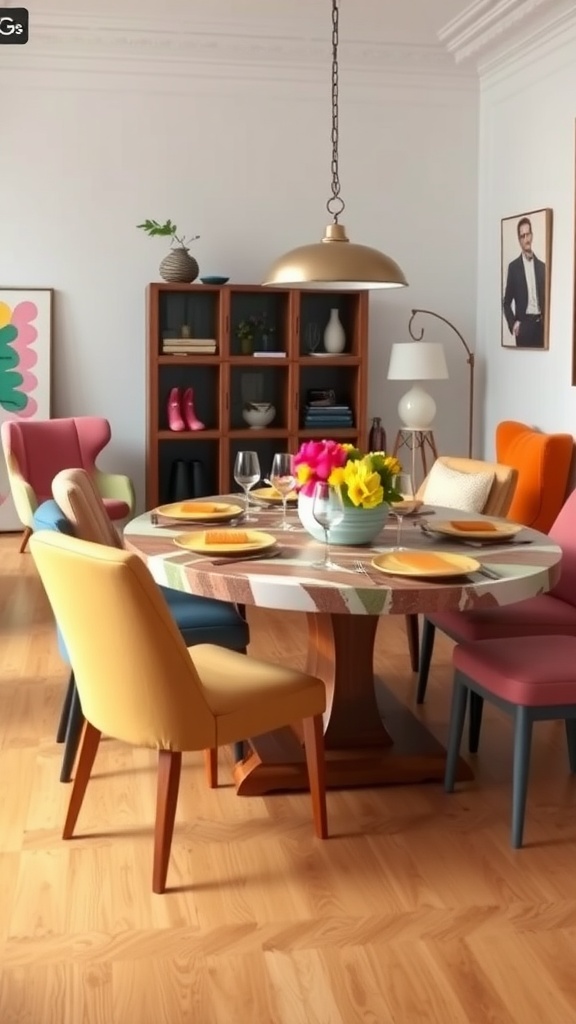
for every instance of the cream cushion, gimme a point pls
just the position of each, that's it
(452, 489)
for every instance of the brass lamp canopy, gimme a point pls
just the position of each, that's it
(335, 263)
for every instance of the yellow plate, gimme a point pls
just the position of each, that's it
(493, 531)
(188, 511)
(424, 563)
(408, 507)
(270, 494)
(196, 541)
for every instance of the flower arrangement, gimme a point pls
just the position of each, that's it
(365, 480)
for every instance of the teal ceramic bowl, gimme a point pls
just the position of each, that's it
(214, 279)
(359, 526)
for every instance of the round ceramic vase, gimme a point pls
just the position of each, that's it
(359, 526)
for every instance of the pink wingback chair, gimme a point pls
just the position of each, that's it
(36, 450)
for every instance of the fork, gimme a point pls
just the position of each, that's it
(361, 568)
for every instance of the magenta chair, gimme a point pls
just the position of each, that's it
(36, 450)
(552, 615)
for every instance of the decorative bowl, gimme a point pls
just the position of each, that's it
(258, 414)
(214, 279)
(359, 525)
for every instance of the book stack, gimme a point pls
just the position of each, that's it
(318, 415)
(188, 346)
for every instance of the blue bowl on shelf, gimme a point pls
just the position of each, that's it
(214, 279)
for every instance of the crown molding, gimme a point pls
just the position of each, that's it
(233, 46)
(491, 31)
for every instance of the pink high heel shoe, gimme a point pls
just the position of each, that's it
(175, 421)
(190, 417)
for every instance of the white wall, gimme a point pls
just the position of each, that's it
(528, 112)
(90, 148)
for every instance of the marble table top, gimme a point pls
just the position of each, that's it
(289, 582)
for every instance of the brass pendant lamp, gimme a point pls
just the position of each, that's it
(335, 263)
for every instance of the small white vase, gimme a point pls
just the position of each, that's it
(334, 337)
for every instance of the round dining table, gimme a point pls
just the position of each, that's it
(371, 738)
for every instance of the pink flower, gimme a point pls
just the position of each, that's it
(316, 460)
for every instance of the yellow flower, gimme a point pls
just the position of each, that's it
(303, 473)
(337, 478)
(392, 463)
(364, 485)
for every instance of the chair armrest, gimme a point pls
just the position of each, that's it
(23, 494)
(117, 486)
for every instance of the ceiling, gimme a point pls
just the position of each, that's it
(380, 21)
(444, 36)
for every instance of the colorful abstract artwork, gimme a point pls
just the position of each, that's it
(25, 357)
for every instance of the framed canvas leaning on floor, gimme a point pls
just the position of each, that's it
(25, 370)
(526, 253)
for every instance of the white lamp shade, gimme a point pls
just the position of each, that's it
(417, 360)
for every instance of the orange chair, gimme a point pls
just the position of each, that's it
(543, 464)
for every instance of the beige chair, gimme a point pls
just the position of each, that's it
(140, 684)
(502, 490)
(497, 504)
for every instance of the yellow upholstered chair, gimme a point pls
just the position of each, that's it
(199, 619)
(543, 463)
(495, 480)
(140, 684)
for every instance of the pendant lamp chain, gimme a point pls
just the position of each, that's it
(334, 263)
(335, 204)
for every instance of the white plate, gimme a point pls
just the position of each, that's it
(486, 529)
(427, 564)
(273, 497)
(206, 511)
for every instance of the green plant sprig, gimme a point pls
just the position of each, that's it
(153, 228)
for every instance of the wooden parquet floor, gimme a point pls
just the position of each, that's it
(416, 909)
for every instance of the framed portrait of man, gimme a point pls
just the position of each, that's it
(526, 254)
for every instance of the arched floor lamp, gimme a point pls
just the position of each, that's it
(469, 360)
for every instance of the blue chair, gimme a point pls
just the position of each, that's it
(199, 619)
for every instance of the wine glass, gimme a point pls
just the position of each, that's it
(282, 477)
(312, 337)
(403, 483)
(328, 511)
(246, 474)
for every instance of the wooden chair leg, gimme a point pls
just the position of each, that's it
(25, 538)
(570, 725)
(413, 640)
(73, 736)
(211, 766)
(65, 713)
(522, 742)
(457, 715)
(428, 633)
(169, 765)
(90, 743)
(316, 762)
